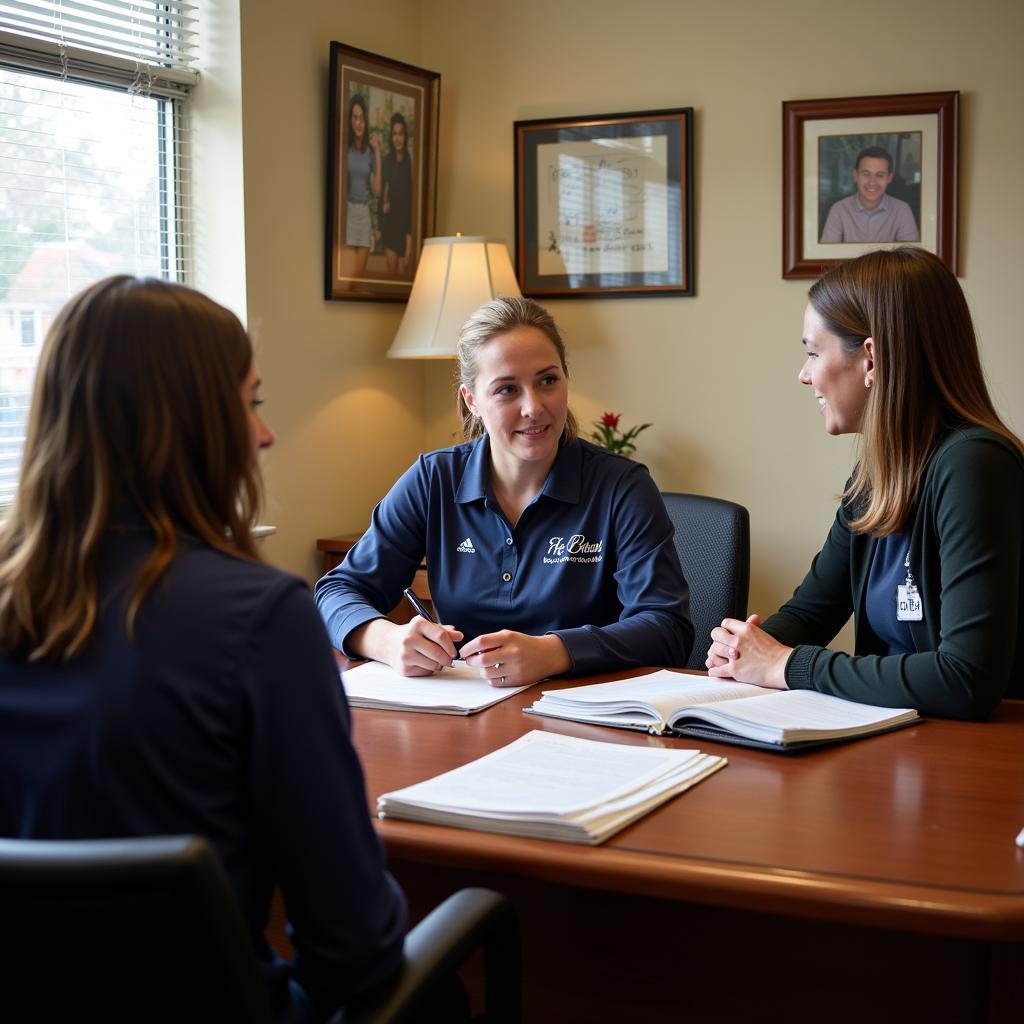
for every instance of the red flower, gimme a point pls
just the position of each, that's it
(610, 419)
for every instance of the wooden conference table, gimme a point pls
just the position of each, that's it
(872, 881)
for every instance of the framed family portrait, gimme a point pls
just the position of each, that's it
(866, 172)
(604, 205)
(381, 173)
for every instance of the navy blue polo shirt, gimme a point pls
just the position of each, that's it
(592, 558)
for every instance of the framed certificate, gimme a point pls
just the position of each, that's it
(604, 205)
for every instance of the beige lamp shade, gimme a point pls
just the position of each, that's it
(455, 276)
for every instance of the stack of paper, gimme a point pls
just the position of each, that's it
(458, 690)
(548, 786)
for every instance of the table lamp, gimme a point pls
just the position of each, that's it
(455, 276)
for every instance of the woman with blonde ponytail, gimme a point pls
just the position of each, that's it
(155, 677)
(926, 549)
(546, 555)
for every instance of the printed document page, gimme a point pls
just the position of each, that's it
(809, 710)
(459, 688)
(549, 774)
(662, 690)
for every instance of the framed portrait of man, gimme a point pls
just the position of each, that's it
(868, 172)
(381, 174)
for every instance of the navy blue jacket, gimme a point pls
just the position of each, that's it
(592, 558)
(224, 718)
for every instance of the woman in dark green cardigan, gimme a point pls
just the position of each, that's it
(926, 548)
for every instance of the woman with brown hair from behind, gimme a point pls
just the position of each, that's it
(155, 676)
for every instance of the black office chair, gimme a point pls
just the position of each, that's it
(713, 544)
(149, 930)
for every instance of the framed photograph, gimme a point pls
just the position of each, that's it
(604, 205)
(865, 172)
(381, 174)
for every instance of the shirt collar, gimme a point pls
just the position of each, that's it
(883, 204)
(562, 483)
(474, 484)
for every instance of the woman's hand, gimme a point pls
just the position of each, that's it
(714, 660)
(419, 648)
(507, 658)
(745, 652)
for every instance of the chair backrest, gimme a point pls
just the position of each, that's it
(713, 543)
(126, 929)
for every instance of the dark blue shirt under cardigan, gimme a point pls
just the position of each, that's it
(592, 558)
(224, 718)
(888, 571)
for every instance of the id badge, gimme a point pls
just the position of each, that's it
(908, 604)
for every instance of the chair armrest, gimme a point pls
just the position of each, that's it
(436, 947)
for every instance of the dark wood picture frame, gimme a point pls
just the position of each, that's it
(383, 268)
(610, 215)
(941, 222)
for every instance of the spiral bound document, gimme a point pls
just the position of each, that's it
(725, 711)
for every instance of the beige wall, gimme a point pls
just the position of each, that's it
(715, 373)
(347, 420)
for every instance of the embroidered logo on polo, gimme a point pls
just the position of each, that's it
(466, 547)
(574, 549)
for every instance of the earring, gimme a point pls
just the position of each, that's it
(867, 383)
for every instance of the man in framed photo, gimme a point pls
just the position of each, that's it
(870, 214)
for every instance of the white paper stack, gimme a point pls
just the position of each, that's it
(457, 690)
(548, 786)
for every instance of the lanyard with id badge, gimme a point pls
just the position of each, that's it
(908, 599)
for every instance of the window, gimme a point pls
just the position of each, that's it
(94, 168)
(28, 328)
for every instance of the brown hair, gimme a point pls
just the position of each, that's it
(499, 316)
(875, 152)
(358, 100)
(927, 372)
(137, 404)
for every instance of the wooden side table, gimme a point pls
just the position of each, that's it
(334, 550)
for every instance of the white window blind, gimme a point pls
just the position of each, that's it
(157, 39)
(94, 168)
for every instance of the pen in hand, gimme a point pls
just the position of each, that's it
(418, 605)
(424, 614)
